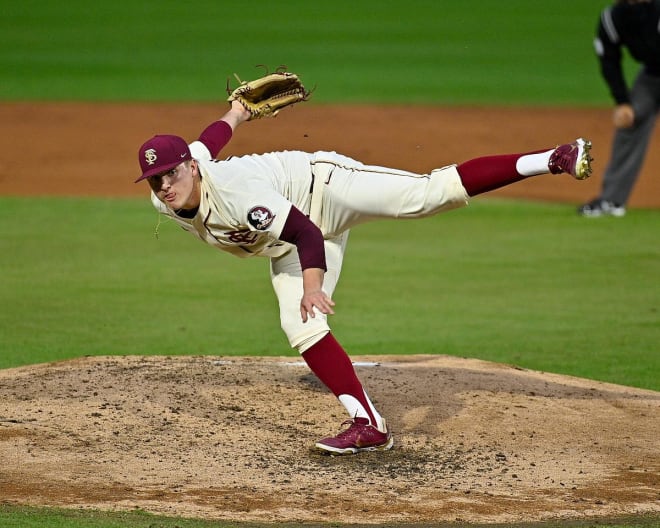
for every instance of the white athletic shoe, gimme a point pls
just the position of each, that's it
(598, 207)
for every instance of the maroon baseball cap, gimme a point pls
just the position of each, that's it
(162, 153)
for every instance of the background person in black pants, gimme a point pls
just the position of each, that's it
(635, 25)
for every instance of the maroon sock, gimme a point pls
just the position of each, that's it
(484, 174)
(328, 360)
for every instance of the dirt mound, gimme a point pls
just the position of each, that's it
(231, 438)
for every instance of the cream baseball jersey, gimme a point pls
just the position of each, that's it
(245, 200)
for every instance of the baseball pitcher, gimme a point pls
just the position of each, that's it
(297, 209)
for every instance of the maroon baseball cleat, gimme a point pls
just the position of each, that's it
(359, 436)
(572, 158)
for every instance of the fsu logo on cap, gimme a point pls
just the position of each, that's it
(150, 156)
(260, 217)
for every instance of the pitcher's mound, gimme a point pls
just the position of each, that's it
(231, 438)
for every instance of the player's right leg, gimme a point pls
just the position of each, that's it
(325, 356)
(367, 429)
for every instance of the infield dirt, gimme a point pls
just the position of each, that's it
(230, 438)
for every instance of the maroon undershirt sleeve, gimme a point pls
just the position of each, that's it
(307, 237)
(216, 136)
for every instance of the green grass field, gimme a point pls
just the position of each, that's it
(423, 51)
(59, 518)
(507, 281)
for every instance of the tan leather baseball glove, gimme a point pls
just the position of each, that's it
(267, 95)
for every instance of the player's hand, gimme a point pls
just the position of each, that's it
(236, 115)
(624, 116)
(242, 113)
(315, 300)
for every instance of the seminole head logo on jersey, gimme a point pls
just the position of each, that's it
(260, 217)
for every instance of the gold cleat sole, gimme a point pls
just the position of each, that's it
(583, 166)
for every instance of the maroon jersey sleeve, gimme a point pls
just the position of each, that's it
(307, 237)
(216, 136)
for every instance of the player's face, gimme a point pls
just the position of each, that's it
(178, 188)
